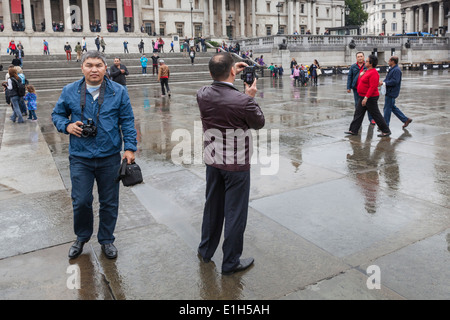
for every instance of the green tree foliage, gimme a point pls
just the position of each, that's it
(357, 15)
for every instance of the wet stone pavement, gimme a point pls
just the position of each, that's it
(330, 217)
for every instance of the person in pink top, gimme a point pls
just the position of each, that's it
(368, 99)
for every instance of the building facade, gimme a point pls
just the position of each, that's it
(209, 18)
(427, 16)
(384, 17)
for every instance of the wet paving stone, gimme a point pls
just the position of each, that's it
(324, 207)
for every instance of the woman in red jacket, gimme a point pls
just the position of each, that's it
(368, 99)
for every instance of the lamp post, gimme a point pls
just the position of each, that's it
(230, 19)
(403, 20)
(192, 9)
(347, 12)
(384, 26)
(279, 6)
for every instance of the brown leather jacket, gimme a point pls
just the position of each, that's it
(227, 115)
(163, 72)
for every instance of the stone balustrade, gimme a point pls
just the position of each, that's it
(363, 43)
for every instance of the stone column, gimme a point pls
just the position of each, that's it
(224, 19)
(253, 18)
(290, 14)
(410, 20)
(137, 16)
(6, 15)
(47, 16)
(430, 18)
(314, 18)
(85, 15)
(66, 10)
(308, 13)
(119, 4)
(297, 16)
(416, 19)
(211, 17)
(441, 14)
(205, 18)
(420, 29)
(27, 14)
(242, 18)
(104, 29)
(156, 15)
(333, 18)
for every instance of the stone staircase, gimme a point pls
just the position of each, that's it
(54, 71)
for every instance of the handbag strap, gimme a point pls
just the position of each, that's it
(122, 170)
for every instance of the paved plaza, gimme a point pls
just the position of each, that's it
(330, 217)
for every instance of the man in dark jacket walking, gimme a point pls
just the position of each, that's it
(393, 83)
(227, 116)
(352, 80)
(118, 71)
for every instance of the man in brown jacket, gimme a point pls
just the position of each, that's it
(163, 77)
(227, 115)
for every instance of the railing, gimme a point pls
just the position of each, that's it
(297, 42)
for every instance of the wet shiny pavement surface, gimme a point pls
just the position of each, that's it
(330, 217)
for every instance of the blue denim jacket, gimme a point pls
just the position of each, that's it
(116, 119)
(393, 82)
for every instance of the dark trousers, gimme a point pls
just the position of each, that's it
(356, 97)
(227, 194)
(372, 107)
(164, 83)
(155, 69)
(83, 172)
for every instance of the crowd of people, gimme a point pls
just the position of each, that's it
(20, 95)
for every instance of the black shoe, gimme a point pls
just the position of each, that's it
(205, 260)
(384, 134)
(76, 249)
(350, 132)
(243, 264)
(109, 250)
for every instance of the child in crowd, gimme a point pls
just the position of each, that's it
(30, 99)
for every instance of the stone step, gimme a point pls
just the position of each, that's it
(62, 57)
(28, 65)
(58, 83)
(134, 69)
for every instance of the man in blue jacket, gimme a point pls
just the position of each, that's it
(393, 82)
(352, 79)
(94, 153)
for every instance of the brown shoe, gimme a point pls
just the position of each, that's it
(407, 122)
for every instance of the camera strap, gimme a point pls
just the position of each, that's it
(101, 97)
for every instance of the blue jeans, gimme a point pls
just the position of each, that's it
(83, 172)
(389, 107)
(17, 113)
(356, 97)
(144, 70)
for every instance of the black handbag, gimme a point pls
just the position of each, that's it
(130, 174)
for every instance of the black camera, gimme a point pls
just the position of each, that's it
(89, 129)
(249, 75)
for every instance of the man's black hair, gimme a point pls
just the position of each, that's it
(373, 60)
(394, 59)
(220, 66)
